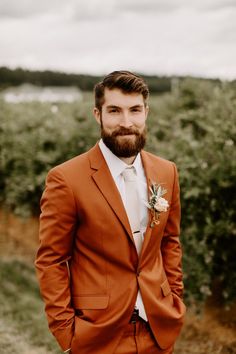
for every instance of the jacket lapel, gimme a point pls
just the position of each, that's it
(150, 177)
(153, 175)
(104, 181)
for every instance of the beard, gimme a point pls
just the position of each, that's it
(125, 147)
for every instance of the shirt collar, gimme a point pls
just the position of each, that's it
(116, 165)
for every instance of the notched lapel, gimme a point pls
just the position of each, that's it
(150, 176)
(104, 181)
(153, 175)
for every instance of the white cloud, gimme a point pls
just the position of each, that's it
(28, 8)
(100, 9)
(181, 40)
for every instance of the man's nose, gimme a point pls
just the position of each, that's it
(125, 120)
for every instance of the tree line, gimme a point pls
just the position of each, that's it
(15, 77)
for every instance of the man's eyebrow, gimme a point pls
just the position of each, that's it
(137, 106)
(112, 106)
(132, 107)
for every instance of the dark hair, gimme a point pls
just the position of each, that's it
(126, 81)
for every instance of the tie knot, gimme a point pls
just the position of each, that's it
(129, 174)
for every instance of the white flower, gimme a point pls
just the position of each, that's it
(157, 204)
(161, 205)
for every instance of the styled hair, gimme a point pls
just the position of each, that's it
(125, 81)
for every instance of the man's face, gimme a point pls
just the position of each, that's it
(122, 121)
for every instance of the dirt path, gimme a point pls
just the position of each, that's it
(214, 332)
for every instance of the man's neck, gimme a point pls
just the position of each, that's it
(128, 160)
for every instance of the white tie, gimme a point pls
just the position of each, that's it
(133, 205)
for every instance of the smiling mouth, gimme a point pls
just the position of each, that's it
(126, 134)
(126, 137)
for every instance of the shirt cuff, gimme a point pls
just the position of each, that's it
(67, 350)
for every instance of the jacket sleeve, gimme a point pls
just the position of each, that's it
(170, 247)
(57, 225)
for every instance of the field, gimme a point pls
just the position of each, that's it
(193, 126)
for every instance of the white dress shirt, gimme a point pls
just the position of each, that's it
(116, 167)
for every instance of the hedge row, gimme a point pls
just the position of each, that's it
(193, 126)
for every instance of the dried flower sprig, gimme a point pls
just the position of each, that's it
(157, 204)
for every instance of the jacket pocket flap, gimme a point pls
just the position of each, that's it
(90, 302)
(165, 287)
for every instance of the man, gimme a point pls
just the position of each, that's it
(109, 261)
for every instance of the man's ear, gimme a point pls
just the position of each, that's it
(97, 115)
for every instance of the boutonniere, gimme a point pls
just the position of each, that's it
(157, 204)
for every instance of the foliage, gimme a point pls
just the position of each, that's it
(22, 316)
(194, 126)
(196, 129)
(34, 138)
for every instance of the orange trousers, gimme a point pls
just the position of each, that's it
(138, 339)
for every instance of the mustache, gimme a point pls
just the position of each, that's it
(125, 131)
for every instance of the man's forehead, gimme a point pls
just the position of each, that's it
(118, 97)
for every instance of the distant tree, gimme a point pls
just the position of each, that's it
(15, 77)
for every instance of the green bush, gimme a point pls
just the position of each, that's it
(34, 138)
(196, 129)
(193, 126)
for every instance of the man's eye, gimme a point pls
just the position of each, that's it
(135, 110)
(113, 110)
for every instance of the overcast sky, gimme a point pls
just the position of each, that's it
(161, 37)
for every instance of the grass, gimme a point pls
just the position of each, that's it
(24, 330)
(23, 326)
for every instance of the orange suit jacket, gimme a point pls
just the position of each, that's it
(88, 268)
